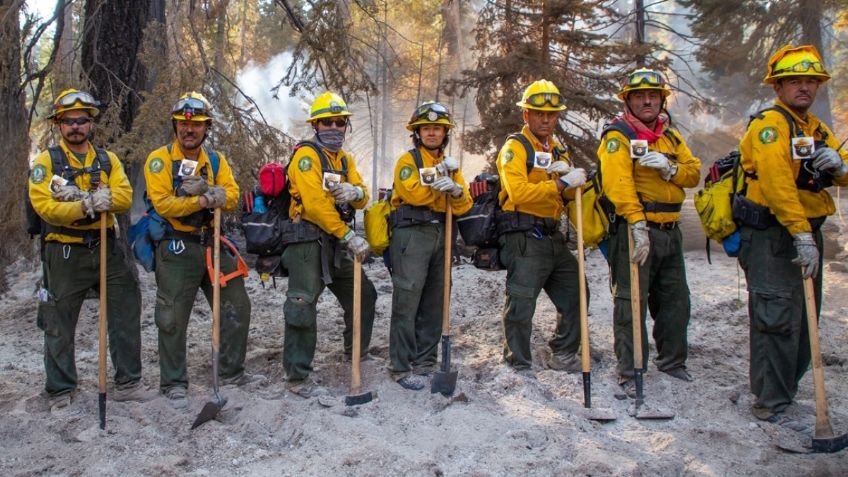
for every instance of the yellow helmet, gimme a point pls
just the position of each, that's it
(542, 95)
(430, 112)
(644, 78)
(192, 106)
(327, 105)
(803, 60)
(74, 99)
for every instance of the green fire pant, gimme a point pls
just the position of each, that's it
(178, 277)
(662, 287)
(536, 264)
(779, 339)
(303, 261)
(71, 270)
(418, 258)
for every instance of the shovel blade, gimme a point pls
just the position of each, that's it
(642, 411)
(443, 382)
(600, 414)
(830, 445)
(209, 412)
(357, 399)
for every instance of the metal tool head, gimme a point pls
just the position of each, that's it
(209, 412)
(830, 445)
(443, 382)
(357, 399)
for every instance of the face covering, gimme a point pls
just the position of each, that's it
(332, 139)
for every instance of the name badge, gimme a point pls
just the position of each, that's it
(803, 147)
(331, 180)
(428, 175)
(187, 168)
(638, 148)
(542, 160)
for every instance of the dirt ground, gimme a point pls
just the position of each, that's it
(497, 422)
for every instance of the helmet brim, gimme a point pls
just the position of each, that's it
(417, 124)
(772, 79)
(94, 112)
(328, 115)
(524, 105)
(622, 95)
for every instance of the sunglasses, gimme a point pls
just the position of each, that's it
(75, 121)
(338, 122)
(651, 78)
(190, 106)
(802, 67)
(541, 99)
(77, 97)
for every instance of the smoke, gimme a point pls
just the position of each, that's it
(284, 112)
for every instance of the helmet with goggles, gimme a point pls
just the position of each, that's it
(430, 112)
(644, 79)
(327, 105)
(542, 95)
(72, 100)
(803, 60)
(192, 106)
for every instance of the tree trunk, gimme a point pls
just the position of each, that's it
(64, 73)
(14, 137)
(811, 34)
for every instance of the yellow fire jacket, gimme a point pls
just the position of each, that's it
(408, 188)
(309, 199)
(67, 214)
(532, 193)
(158, 174)
(625, 181)
(765, 150)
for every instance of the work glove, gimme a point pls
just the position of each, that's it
(101, 199)
(657, 160)
(216, 197)
(447, 166)
(68, 193)
(345, 192)
(826, 159)
(357, 245)
(641, 242)
(194, 185)
(574, 178)
(808, 254)
(448, 186)
(558, 167)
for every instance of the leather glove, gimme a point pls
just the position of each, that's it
(826, 159)
(558, 167)
(574, 178)
(68, 193)
(87, 206)
(641, 242)
(657, 160)
(358, 246)
(345, 192)
(448, 186)
(101, 200)
(808, 254)
(216, 197)
(194, 185)
(447, 166)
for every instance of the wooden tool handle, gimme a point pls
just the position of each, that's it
(355, 379)
(635, 305)
(447, 269)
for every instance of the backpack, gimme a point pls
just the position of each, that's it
(272, 179)
(145, 234)
(60, 167)
(377, 225)
(596, 219)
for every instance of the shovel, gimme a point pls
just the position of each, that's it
(602, 415)
(823, 440)
(444, 380)
(637, 410)
(210, 409)
(101, 351)
(356, 396)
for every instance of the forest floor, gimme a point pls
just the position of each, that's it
(496, 423)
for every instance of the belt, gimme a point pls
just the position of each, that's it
(194, 237)
(663, 225)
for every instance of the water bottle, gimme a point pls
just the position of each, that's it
(259, 204)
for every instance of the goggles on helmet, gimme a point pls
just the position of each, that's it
(76, 97)
(802, 67)
(651, 78)
(541, 99)
(430, 112)
(189, 107)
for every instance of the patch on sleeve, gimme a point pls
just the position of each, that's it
(304, 164)
(405, 173)
(156, 165)
(768, 135)
(613, 145)
(38, 174)
(508, 155)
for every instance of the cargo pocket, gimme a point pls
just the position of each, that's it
(164, 314)
(773, 313)
(745, 234)
(47, 318)
(522, 301)
(298, 309)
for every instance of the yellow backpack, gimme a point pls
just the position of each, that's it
(595, 220)
(714, 202)
(377, 225)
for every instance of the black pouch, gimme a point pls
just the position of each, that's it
(751, 214)
(263, 233)
(487, 259)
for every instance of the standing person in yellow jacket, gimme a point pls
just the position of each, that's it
(184, 193)
(786, 182)
(418, 243)
(645, 166)
(536, 177)
(326, 189)
(69, 194)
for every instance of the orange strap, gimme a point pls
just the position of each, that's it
(241, 266)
